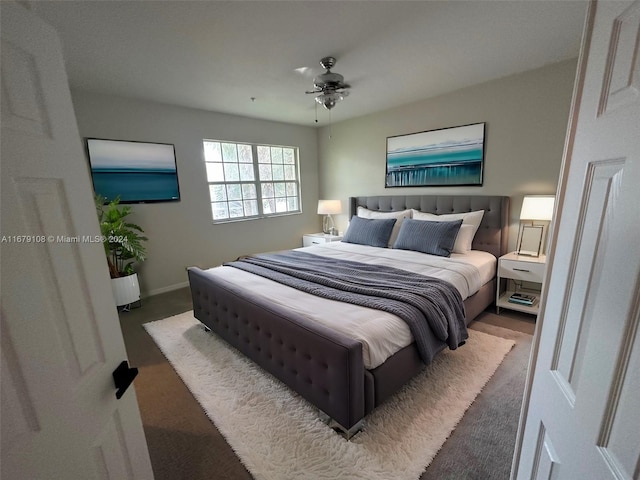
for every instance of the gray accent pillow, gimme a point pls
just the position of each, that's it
(399, 216)
(365, 231)
(434, 238)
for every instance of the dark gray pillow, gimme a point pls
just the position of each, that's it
(366, 231)
(435, 238)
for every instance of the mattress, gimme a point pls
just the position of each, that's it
(381, 334)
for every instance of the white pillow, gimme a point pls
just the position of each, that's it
(470, 218)
(464, 239)
(399, 216)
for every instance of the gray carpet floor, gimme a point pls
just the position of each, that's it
(184, 443)
(481, 446)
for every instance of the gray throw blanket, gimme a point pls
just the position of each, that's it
(429, 306)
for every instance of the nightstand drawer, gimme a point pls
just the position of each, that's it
(319, 238)
(307, 241)
(517, 270)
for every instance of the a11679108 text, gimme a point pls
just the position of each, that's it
(62, 239)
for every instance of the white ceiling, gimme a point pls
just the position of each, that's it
(216, 55)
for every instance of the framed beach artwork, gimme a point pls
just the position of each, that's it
(136, 172)
(436, 158)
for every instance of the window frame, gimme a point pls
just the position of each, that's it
(257, 182)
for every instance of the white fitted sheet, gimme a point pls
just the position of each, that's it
(381, 334)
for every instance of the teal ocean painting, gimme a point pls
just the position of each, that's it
(133, 171)
(133, 185)
(450, 156)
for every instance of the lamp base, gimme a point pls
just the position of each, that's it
(327, 225)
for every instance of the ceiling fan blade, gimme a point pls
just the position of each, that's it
(307, 72)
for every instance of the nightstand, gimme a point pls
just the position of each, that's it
(519, 268)
(318, 238)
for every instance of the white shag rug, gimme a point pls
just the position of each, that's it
(278, 435)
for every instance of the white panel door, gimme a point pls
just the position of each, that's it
(60, 335)
(580, 418)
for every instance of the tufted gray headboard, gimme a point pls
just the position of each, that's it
(492, 235)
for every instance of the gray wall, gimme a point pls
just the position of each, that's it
(182, 233)
(526, 117)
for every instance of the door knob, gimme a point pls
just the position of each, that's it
(122, 377)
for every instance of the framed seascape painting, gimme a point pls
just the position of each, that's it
(137, 172)
(437, 158)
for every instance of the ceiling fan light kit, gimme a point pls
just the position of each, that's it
(329, 87)
(329, 100)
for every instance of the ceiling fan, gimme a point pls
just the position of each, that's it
(329, 87)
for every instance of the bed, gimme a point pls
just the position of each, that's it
(324, 365)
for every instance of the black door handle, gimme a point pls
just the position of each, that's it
(122, 377)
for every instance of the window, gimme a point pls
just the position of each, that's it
(251, 181)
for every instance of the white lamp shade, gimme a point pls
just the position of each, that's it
(537, 207)
(329, 207)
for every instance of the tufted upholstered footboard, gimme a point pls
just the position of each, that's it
(320, 364)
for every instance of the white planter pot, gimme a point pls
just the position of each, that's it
(126, 290)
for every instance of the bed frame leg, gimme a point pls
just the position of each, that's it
(346, 433)
(206, 329)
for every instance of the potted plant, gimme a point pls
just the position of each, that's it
(123, 246)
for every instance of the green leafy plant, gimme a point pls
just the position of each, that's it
(122, 240)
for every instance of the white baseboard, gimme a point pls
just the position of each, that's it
(169, 288)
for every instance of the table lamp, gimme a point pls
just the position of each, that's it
(534, 208)
(328, 208)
